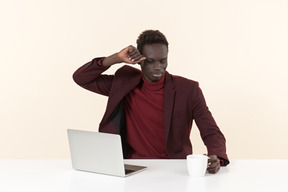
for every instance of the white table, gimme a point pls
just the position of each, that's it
(161, 175)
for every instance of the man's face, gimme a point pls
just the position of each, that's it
(155, 64)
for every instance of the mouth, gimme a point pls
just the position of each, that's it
(157, 75)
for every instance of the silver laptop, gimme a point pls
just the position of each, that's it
(99, 153)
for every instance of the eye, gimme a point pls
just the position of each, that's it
(149, 61)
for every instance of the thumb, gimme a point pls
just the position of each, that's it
(141, 59)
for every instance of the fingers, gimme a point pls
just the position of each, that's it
(134, 55)
(130, 55)
(214, 164)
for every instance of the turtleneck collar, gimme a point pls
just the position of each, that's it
(153, 86)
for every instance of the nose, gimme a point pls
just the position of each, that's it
(156, 65)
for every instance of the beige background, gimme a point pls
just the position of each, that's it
(237, 50)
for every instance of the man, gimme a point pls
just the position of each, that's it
(151, 109)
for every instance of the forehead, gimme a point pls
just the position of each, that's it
(155, 51)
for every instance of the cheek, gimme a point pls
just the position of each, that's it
(146, 67)
(164, 66)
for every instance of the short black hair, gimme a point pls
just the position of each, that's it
(150, 37)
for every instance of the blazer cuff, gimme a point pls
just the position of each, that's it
(223, 162)
(100, 61)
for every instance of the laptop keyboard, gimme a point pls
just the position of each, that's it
(127, 171)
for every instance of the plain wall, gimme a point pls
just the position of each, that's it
(236, 49)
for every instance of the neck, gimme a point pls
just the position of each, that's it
(154, 86)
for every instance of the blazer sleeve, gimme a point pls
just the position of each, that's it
(90, 77)
(209, 131)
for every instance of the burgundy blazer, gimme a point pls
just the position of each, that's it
(183, 103)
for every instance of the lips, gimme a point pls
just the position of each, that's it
(157, 75)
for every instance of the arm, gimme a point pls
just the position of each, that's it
(90, 76)
(128, 55)
(210, 133)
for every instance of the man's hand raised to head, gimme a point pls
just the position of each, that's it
(129, 55)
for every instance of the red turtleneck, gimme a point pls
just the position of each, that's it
(144, 107)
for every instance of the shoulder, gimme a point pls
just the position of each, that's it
(127, 75)
(184, 87)
(180, 81)
(127, 70)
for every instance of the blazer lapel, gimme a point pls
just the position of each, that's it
(169, 95)
(129, 78)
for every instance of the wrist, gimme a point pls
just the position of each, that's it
(111, 60)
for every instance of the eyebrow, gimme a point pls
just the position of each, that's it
(148, 58)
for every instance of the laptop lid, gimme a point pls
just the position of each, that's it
(97, 152)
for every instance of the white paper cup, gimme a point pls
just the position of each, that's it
(197, 165)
